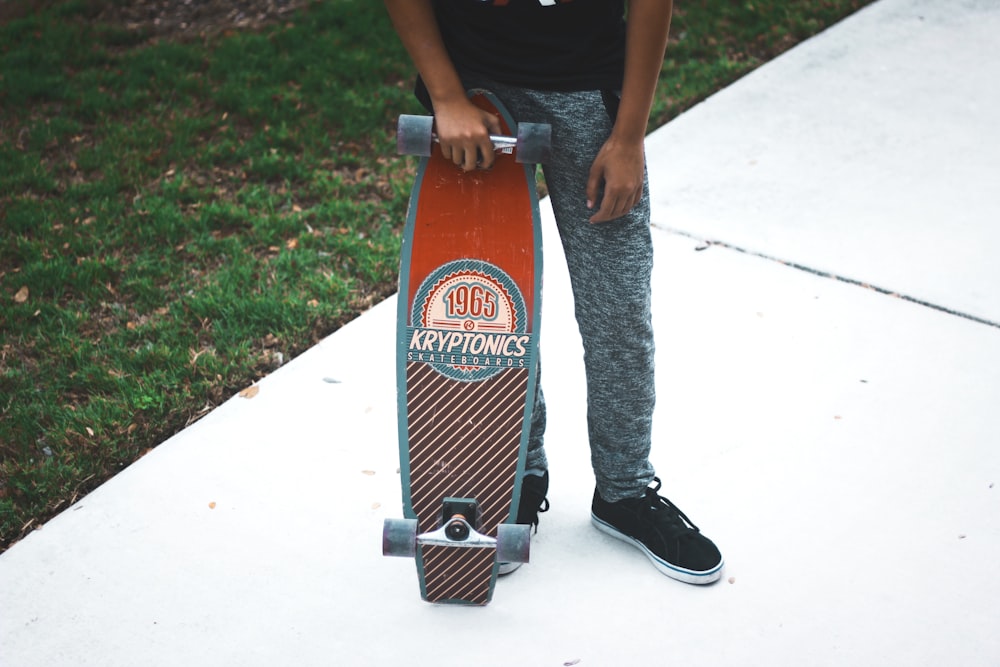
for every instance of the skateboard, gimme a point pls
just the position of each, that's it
(466, 358)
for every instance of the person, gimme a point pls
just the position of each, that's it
(584, 68)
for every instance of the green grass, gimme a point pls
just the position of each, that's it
(176, 218)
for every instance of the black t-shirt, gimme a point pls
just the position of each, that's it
(564, 45)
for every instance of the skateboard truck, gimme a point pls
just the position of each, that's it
(512, 543)
(459, 521)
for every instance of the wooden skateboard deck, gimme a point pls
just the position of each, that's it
(467, 330)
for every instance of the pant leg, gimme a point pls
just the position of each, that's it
(536, 462)
(610, 266)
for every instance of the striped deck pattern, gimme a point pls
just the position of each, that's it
(464, 442)
(457, 574)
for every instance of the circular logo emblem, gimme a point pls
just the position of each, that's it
(469, 321)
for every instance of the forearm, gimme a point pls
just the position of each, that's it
(646, 42)
(619, 166)
(417, 28)
(463, 130)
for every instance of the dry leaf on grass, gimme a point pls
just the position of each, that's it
(22, 295)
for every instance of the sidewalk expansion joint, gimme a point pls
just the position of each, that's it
(705, 244)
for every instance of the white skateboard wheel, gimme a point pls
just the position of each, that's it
(534, 142)
(399, 537)
(513, 543)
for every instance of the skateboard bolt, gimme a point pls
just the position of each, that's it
(457, 529)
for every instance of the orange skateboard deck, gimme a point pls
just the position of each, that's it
(467, 338)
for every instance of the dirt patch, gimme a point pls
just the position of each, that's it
(181, 19)
(173, 19)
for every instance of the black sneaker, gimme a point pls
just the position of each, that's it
(668, 538)
(533, 502)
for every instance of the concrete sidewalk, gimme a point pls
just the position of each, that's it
(838, 441)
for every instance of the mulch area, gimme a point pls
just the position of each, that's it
(170, 19)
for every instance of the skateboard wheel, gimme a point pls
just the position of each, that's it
(513, 543)
(414, 135)
(399, 537)
(534, 141)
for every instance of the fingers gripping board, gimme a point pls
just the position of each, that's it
(532, 144)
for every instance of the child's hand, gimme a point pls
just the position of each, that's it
(619, 166)
(464, 131)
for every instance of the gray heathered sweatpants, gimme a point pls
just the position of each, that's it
(609, 266)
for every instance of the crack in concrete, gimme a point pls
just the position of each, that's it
(826, 274)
